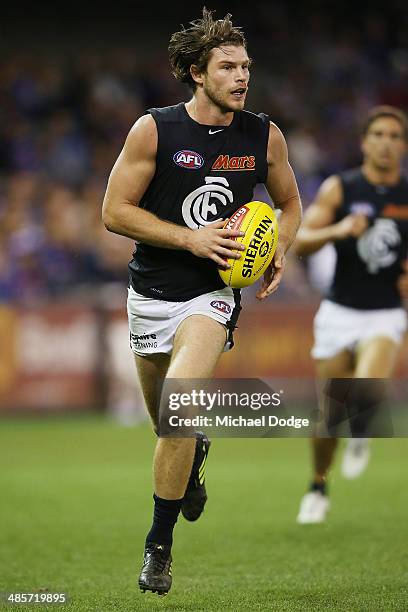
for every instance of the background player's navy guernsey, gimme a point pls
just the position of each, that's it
(367, 269)
(203, 173)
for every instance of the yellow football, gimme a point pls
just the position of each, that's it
(259, 222)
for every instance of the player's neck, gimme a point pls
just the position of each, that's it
(205, 112)
(378, 176)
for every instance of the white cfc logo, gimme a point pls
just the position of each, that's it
(205, 200)
(375, 245)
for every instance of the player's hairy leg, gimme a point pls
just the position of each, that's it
(198, 344)
(152, 370)
(376, 358)
(334, 375)
(339, 366)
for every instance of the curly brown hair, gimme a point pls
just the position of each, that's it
(193, 45)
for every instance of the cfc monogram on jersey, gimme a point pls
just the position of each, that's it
(367, 268)
(202, 205)
(203, 174)
(378, 246)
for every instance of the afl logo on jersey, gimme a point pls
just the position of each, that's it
(188, 159)
(221, 306)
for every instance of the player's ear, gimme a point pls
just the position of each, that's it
(196, 74)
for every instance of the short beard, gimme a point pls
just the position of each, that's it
(217, 101)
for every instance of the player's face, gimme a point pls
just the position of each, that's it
(225, 81)
(384, 144)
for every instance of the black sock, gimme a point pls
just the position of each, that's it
(165, 516)
(319, 486)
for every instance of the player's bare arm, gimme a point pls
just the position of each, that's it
(282, 187)
(128, 182)
(319, 227)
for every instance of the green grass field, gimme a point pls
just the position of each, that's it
(76, 505)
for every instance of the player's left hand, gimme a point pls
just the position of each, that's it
(402, 282)
(273, 275)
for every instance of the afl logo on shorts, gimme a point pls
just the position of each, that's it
(188, 159)
(221, 306)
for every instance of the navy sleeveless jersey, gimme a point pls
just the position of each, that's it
(367, 268)
(203, 173)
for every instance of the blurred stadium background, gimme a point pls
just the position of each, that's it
(73, 79)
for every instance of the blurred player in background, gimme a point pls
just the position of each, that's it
(168, 192)
(359, 327)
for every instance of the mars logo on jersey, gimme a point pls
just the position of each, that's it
(221, 306)
(188, 159)
(205, 203)
(225, 162)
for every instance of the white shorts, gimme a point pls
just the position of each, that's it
(337, 327)
(153, 323)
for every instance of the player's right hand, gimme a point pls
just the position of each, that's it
(351, 226)
(214, 242)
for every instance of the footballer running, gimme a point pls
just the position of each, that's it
(360, 325)
(171, 189)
